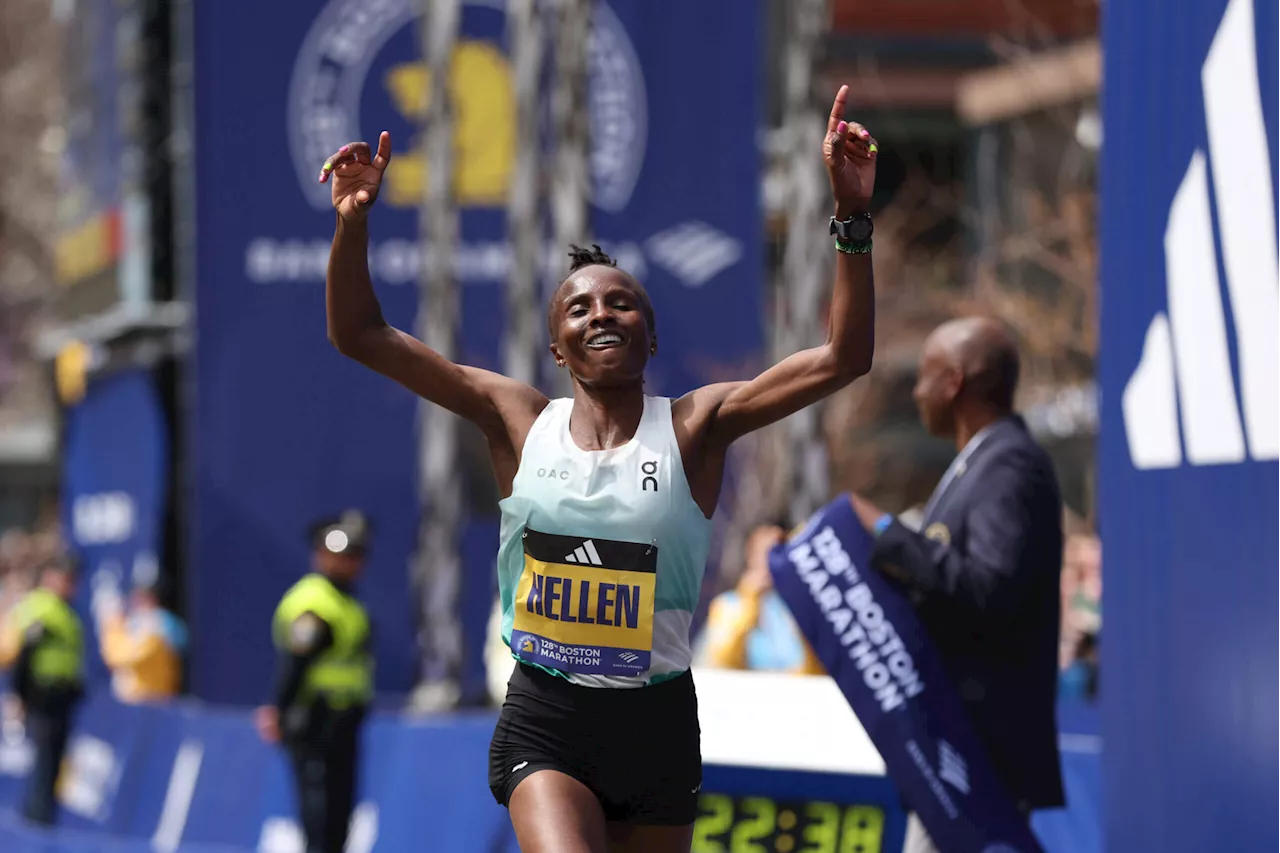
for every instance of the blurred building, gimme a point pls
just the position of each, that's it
(986, 113)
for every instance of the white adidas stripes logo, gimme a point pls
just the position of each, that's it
(1185, 362)
(585, 554)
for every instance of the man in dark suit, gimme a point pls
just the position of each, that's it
(984, 572)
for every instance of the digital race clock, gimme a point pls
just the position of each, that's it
(757, 824)
(786, 768)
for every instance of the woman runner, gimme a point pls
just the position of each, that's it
(607, 500)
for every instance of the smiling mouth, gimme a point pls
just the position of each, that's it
(604, 340)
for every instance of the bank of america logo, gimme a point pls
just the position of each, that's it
(952, 767)
(629, 657)
(694, 252)
(585, 554)
(1185, 367)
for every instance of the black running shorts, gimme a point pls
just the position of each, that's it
(638, 750)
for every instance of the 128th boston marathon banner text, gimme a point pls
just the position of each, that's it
(285, 429)
(868, 638)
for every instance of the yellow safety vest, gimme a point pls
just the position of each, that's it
(343, 673)
(59, 658)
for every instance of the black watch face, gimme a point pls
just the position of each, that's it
(860, 229)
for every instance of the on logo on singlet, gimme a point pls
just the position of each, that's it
(585, 604)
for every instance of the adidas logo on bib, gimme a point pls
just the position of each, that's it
(585, 554)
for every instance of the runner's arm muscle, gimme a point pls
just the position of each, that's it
(357, 328)
(726, 412)
(733, 409)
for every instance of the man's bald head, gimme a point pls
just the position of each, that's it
(986, 356)
(966, 363)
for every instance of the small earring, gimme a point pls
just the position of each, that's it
(653, 350)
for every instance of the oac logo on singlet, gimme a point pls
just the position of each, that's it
(585, 605)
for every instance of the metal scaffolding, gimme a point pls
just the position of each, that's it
(525, 335)
(807, 257)
(436, 569)
(570, 129)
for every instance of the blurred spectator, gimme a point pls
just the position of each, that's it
(144, 647)
(749, 627)
(42, 641)
(1081, 617)
(1080, 678)
(1084, 558)
(1081, 593)
(21, 555)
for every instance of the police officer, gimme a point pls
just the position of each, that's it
(322, 635)
(45, 646)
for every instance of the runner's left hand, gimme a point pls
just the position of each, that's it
(849, 152)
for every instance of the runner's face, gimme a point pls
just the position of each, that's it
(602, 336)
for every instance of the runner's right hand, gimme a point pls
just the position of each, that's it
(356, 174)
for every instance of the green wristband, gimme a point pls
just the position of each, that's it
(853, 248)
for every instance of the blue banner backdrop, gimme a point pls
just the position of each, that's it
(870, 641)
(1187, 471)
(195, 780)
(114, 486)
(285, 429)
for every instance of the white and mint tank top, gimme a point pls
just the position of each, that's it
(602, 554)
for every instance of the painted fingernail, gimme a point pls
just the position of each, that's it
(322, 174)
(328, 167)
(343, 149)
(873, 148)
(842, 127)
(863, 133)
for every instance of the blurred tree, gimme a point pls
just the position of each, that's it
(985, 204)
(31, 108)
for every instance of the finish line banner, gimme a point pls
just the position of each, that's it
(875, 649)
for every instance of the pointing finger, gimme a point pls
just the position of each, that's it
(837, 109)
(384, 151)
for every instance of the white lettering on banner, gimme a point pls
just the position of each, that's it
(346, 40)
(89, 778)
(873, 643)
(952, 767)
(17, 753)
(177, 799)
(283, 835)
(269, 260)
(932, 780)
(103, 518)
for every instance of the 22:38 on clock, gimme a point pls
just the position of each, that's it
(764, 825)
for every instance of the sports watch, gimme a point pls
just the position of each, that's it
(856, 229)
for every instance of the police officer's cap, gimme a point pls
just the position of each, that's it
(348, 533)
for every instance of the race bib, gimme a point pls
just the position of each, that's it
(585, 605)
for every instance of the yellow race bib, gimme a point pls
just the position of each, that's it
(585, 605)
